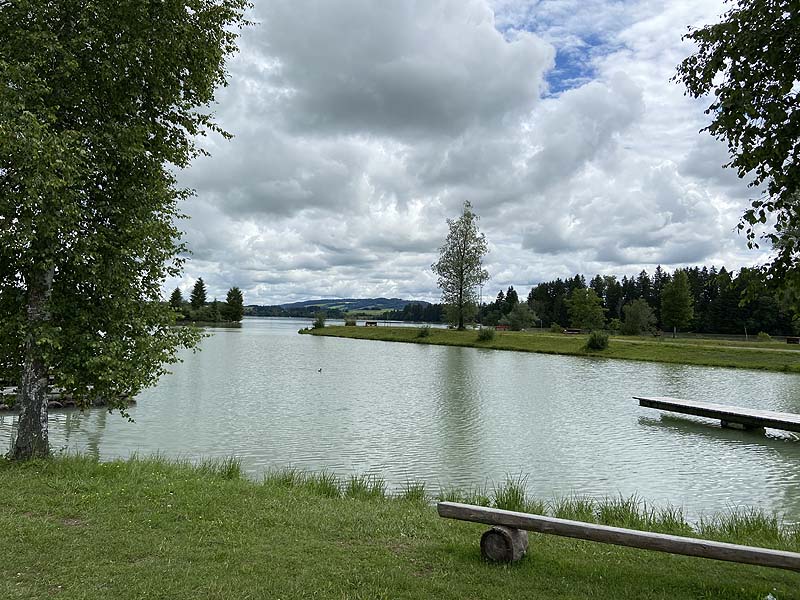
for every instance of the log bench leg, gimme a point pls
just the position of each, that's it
(504, 544)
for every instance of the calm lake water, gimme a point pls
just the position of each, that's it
(454, 417)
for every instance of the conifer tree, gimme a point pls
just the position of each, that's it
(198, 297)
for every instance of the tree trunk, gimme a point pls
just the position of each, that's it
(32, 440)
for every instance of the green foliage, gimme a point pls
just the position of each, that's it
(459, 267)
(100, 105)
(485, 334)
(319, 320)
(414, 491)
(575, 508)
(585, 309)
(198, 296)
(763, 336)
(233, 309)
(176, 299)
(162, 515)
(677, 302)
(556, 328)
(520, 317)
(424, 331)
(226, 468)
(639, 318)
(745, 523)
(350, 322)
(750, 62)
(365, 487)
(597, 340)
(511, 495)
(325, 484)
(615, 325)
(474, 495)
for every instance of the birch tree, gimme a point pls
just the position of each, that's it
(460, 267)
(100, 103)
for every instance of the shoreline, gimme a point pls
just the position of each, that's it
(704, 352)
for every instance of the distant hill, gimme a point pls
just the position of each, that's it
(345, 304)
(333, 306)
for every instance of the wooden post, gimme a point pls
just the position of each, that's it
(504, 544)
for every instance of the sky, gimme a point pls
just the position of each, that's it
(361, 127)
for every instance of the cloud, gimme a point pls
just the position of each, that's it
(361, 126)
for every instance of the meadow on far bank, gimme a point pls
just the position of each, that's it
(760, 355)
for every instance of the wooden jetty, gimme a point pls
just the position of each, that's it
(765, 557)
(734, 417)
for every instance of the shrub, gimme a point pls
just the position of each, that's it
(485, 334)
(615, 325)
(349, 322)
(556, 328)
(319, 320)
(598, 340)
(763, 336)
(424, 331)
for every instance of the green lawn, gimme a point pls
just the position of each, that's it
(73, 528)
(768, 356)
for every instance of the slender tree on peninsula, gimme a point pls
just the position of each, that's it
(100, 104)
(460, 267)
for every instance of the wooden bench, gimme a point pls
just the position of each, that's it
(370, 323)
(792, 340)
(504, 543)
(572, 331)
(501, 327)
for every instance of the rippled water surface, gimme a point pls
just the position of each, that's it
(454, 416)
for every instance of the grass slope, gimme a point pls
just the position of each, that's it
(76, 529)
(767, 356)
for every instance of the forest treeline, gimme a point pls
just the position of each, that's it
(198, 309)
(714, 301)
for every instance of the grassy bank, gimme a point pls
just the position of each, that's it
(74, 528)
(767, 356)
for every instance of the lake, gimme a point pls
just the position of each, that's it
(454, 417)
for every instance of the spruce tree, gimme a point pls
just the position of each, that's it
(198, 297)
(676, 302)
(235, 304)
(176, 299)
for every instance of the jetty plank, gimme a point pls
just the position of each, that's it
(646, 540)
(729, 415)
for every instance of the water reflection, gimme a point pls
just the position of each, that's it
(457, 411)
(453, 416)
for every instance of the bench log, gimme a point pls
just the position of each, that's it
(674, 544)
